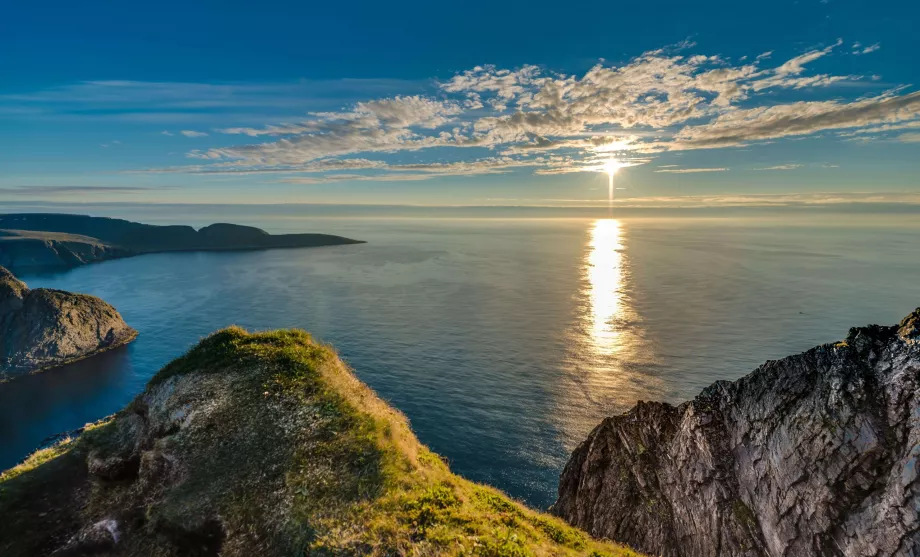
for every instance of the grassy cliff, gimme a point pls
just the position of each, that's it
(263, 444)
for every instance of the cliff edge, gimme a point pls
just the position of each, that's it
(814, 454)
(45, 328)
(262, 444)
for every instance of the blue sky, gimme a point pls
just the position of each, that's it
(466, 103)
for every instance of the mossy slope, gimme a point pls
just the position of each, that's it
(263, 444)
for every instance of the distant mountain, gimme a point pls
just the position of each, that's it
(30, 241)
(45, 328)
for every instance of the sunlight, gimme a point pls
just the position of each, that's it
(605, 277)
(612, 166)
(607, 353)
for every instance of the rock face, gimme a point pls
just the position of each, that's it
(23, 250)
(45, 328)
(814, 454)
(262, 445)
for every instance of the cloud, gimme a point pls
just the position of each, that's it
(859, 50)
(690, 170)
(54, 191)
(529, 117)
(782, 167)
(909, 137)
(880, 129)
(801, 118)
(165, 132)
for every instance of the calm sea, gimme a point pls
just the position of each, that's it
(505, 341)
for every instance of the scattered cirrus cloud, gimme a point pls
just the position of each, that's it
(782, 167)
(55, 191)
(690, 170)
(859, 49)
(193, 133)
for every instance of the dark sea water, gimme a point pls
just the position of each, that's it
(504, 341)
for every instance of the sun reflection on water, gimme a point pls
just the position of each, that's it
(604, 271)
(609, 363)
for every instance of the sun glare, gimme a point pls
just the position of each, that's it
(611, 166)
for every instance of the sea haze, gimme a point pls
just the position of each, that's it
(505, 341)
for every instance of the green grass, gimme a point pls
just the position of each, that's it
(298, 457)
(36, 459)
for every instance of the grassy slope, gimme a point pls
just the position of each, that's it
(294, 456)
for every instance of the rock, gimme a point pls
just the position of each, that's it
(814, 454)
(44, 328)
(27, 250)
(97, 538)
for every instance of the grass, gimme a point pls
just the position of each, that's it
(36, 459)
(290, 454)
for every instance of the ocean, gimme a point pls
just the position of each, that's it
(505, 340)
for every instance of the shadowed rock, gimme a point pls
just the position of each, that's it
(44, 328)
(814, 454)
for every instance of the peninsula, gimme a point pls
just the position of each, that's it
(45, 241)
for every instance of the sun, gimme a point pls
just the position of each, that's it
(612, 166)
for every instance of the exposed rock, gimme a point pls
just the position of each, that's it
(45, 328)
(31, 241)
(814, 454)
(28, 250)
(262, 444)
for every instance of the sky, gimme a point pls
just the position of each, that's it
(472, 103)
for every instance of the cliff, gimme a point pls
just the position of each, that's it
(44, 328)
(48, 240)
(262, 444)
(814, 454)
(24, 250)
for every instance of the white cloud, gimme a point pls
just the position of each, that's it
(530, 117)
(859, 50)
(782, 167)
(801, 118)
(909, 137)
(193, 133)
(165, 132)
(690, 170)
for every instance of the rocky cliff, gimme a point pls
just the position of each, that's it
(814, 454)
(29, 250)
(262, 444)
(44, 328)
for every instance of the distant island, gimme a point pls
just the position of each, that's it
(43, 328)
(46, 241)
